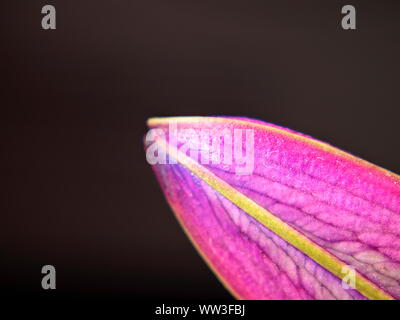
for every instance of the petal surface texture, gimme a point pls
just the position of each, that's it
(303, 216)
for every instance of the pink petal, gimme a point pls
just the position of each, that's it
(344, 205)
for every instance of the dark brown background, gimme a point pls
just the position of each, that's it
(76, 189)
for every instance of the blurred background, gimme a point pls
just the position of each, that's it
(77, 192)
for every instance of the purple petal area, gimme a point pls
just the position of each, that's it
(253, 261)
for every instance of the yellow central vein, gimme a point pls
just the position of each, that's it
(276, 225)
